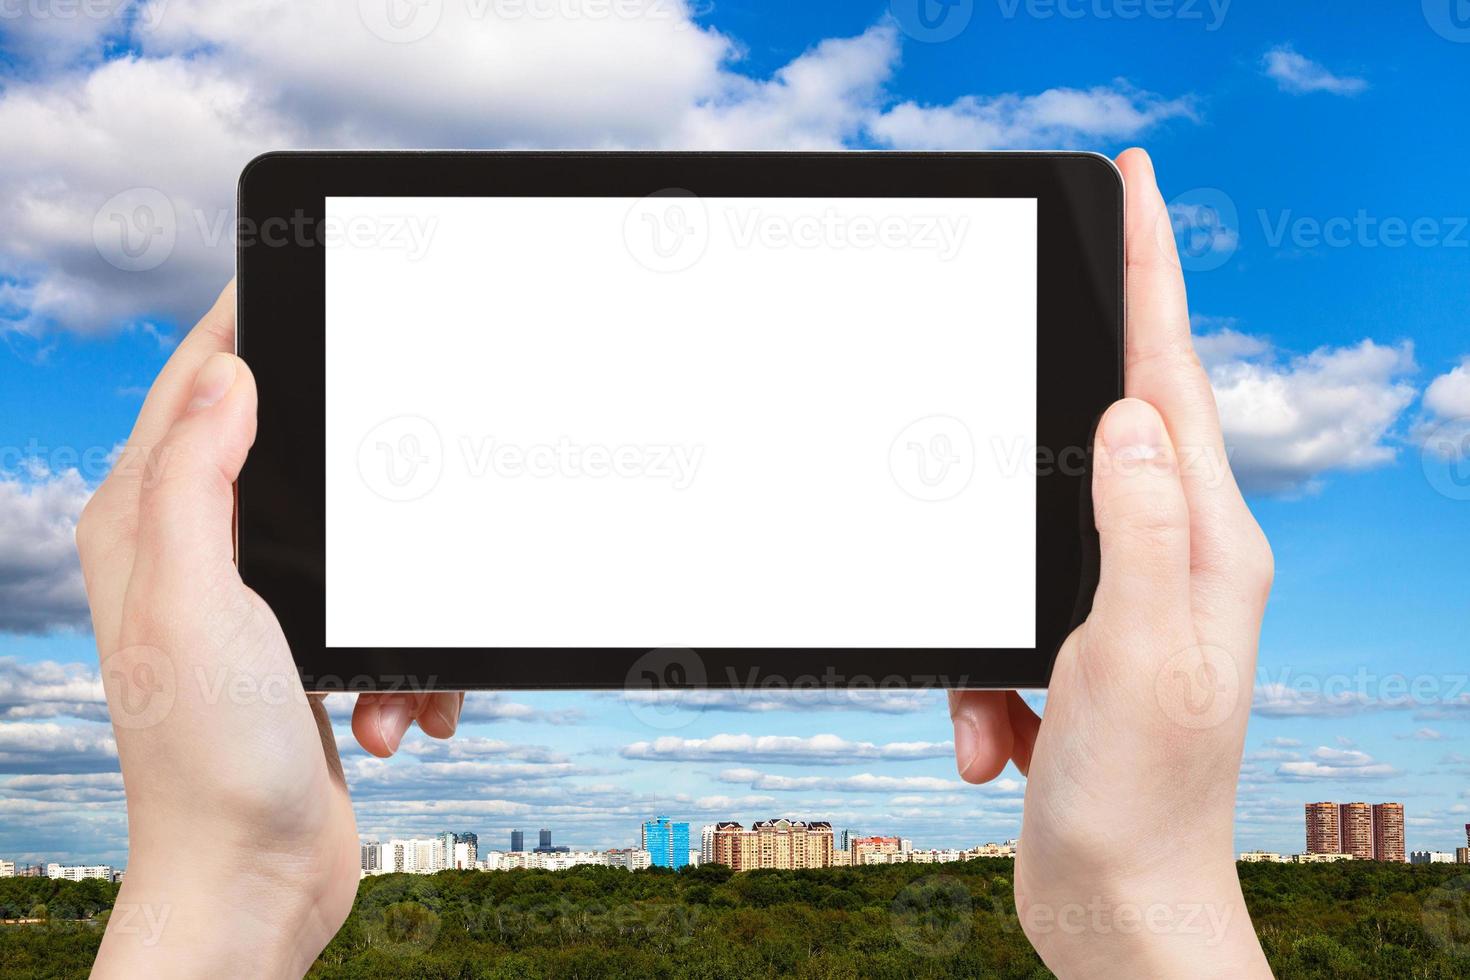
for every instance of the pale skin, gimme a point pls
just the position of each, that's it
(243, 849)
(1131, 775)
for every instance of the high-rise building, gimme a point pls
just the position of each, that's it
(666, 841)
(774, 844)
(372, 857)
(468, 837)
(707, 844)
(1355, 830)
(517, 841)
(544, 845)
(1363, 832)
(1322, 829)
(545, 838)
(1388, 832)
(863, 846)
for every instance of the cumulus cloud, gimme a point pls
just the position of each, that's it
(1448, 396)
(50, 747)
(1444, 424)
(479, 706)
(1300, 75)
(1336, 764)
(40, 577)
(1289, 420)
(108, 157)
(813, 750)
(47, 689)
(91, 787)
(1056, 118)
(1277, 700)
(759, 700)
(862, 783)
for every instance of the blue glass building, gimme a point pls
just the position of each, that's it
(666, 842)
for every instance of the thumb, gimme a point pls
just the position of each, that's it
(1143, 528)
(185, 517)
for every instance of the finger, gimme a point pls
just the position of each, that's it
(1163, 370)
(107, 531)
(379, 721)
(1143, 529)
(439, 716)
(1025, 724)
(185, 539)
(982, 734)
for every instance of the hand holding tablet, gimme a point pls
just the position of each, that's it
(1145, 716)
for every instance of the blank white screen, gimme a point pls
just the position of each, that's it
(812, 424)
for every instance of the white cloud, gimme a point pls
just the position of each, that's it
(759, 700)
(820, 101)
(862, 783)
(54, 35)
(1423, 735)
(208, 85)
(1444, 424)
(812, 750)
(479, 706)
(47, 689)
(1300, 75)
(1290, 420)
(1056, 118)
(1276, 700)
(1448, 396)
(40, 576)
(1336, 764)
(49, 747)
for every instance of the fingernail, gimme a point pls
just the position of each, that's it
(966, 741)
(213, 381)
(394, 717)
(1132, 431)
(450, 715)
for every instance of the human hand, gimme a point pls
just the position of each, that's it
(1126, 866)
(242, 844)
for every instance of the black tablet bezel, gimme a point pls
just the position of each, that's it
(281, 501)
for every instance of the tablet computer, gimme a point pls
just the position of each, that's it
(608, 419)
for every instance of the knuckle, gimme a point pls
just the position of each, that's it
(1258, 561)
(1153, 519)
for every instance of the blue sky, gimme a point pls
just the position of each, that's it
(1336, 362)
